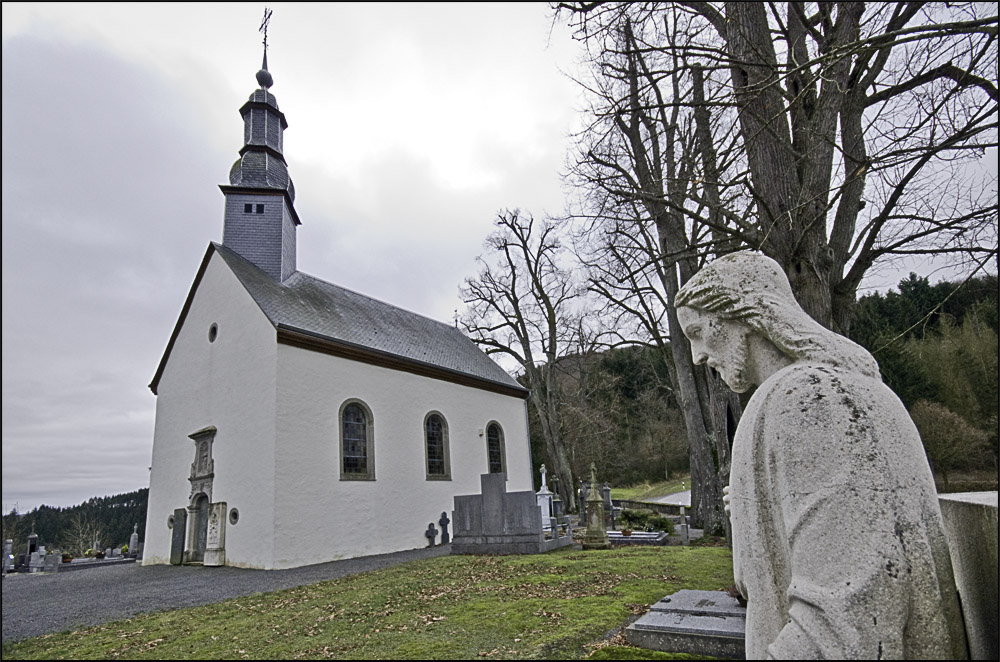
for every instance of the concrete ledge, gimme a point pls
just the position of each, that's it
(970, 523)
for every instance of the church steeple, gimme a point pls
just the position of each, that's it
(260, 217)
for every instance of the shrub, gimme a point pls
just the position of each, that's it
(634, 519)
(660, 523)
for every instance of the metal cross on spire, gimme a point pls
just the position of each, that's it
(263, 76)
(264, 25)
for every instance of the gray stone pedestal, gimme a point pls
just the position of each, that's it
(708, 623)
(970, 522)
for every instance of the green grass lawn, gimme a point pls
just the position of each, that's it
(646, 491)
(560, 605)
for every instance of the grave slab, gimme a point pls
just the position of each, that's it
(707, 623)
(706, 603)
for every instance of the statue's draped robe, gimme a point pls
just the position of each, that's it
(838, 543)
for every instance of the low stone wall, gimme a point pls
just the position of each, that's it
(970, 522)
(96, 563)
(661, 508)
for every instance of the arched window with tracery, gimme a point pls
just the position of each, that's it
(436, 445)
(357, 456)
(494, 449)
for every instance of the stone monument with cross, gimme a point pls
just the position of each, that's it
(501, 522)
(596, 536)
(544, 498)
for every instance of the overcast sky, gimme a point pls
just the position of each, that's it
(410, 126)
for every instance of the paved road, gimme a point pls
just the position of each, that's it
(42, 603)
(676, 499)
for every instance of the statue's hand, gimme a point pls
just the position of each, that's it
(725, 500)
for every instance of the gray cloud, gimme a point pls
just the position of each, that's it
(110, 173)
(107, 208)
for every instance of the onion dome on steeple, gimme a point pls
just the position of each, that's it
(260, 218)
(264, 76)
(261, 162)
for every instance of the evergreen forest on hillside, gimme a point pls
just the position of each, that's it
(108, 519)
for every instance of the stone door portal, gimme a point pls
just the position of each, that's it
(202, 477)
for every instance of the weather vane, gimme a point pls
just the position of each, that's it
(264, 24)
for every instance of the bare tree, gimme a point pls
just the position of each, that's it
(638, 163)
(518, 306)
(829, 136)
(860, 127)
(82, 533)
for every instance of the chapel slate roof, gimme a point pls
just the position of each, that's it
(307, 304)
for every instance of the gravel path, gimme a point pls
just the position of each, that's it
(42, 603)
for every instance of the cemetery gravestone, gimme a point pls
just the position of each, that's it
(215, 537)
(596, 536)
(444, 522)
(177, 535)
(500, 522)
(702, 623)
(133, 542)
(685, 535)
(544, 499)
(557, 503)
(430, 534)
(821, 441)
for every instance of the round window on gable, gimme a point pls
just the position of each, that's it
(213, 332)
(234, 516)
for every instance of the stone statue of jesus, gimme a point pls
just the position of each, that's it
(838, 544)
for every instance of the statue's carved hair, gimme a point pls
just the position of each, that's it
(752, 288)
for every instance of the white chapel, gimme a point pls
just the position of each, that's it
(299, 422)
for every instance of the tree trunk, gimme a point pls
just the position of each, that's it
(548, 415)
(699, 401)
(711, 412)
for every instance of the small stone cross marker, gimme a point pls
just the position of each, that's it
(444, 522)
(430, 534)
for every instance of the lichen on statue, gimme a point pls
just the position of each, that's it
(838, 544)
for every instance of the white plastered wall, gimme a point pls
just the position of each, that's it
(229, 384)
(318, 516)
